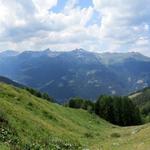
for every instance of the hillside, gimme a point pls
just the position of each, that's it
(28, 122)
(78, 72)
(8, 81)
(142, 99)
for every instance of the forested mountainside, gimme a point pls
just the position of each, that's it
(78, 72)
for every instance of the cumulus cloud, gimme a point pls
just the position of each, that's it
(44, 5)
(33, 25)
(105, 25)
(124, 23)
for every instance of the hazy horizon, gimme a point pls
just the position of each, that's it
(61, 51)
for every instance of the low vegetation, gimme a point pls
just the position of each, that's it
(81, 103)
(28, 122)
(39, 94)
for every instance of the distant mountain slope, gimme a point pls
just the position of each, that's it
(28, 122)
(142, 96)
(78, 72)
(115, 58)
(8, 81)
(8, 53)
(142, 100)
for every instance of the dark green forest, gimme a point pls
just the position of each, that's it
(117, 110)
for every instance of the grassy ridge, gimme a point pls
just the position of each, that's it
(28, 122)
(142, 100)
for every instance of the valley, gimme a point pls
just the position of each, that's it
(78, 72)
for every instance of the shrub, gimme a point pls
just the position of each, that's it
(3, 118)
(49, 116)
(88, 135)
(81, 103)
(7, 133)
(39, 94)
(115, 135)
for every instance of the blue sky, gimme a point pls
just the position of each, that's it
(59, 7)
(80, 3)
(62, 25)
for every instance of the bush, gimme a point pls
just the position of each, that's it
(3, 119)
(81, 103)
(146, 109)
(7, 133)
(88, 135)
(39, 94)
(115, 135)
(49, 116)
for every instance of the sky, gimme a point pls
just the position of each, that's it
(62, 25)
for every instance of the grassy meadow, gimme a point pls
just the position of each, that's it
(28, 122)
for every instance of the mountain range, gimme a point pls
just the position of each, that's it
(77, 72)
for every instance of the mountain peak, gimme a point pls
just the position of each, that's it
(111, 58)
(9, 53)
(47, 50)
(79, 50)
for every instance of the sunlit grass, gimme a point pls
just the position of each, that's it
(38, 123)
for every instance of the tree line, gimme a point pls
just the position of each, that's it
(117, 110)
(39, 94)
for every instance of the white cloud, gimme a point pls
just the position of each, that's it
(44, 5)
(32, 24)
(123, 22)
(70, 5)
(40, 26)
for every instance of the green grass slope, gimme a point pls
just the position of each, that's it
(31, 123)
(141, 97)
(142, 100)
